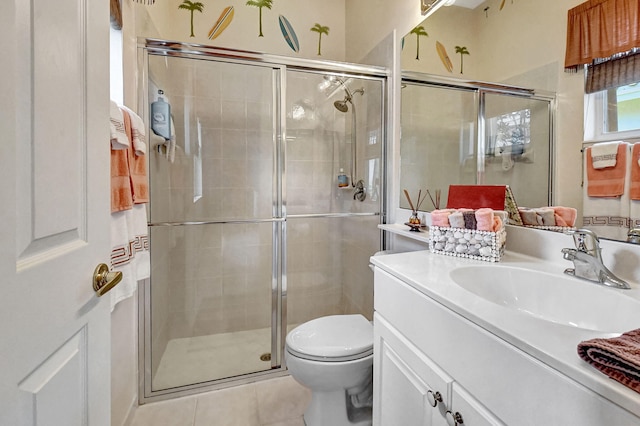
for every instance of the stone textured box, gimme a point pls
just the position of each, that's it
(468, 243)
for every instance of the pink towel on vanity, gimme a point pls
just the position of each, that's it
(618, 357)
(567, 215)
(609, 181)
(484, 219)
(441, 217)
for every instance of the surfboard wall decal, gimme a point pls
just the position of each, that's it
(289, 34)
(442, 52)
(222, 23)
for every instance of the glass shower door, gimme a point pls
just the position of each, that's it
(214, 223)
(334, 126)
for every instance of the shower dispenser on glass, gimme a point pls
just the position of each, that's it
(343, 106)
(161, 125)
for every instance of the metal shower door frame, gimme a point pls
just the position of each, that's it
(279, 66)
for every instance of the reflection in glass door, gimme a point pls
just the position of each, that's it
(457, 132)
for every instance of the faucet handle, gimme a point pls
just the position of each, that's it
(585, 240)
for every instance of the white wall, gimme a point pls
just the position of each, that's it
(371, 21)
(242, 33)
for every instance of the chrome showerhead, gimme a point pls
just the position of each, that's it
(341, 105)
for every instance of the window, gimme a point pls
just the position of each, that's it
(623, 108)
(613, 114)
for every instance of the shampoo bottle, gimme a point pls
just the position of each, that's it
(161, 117)
(343, 180)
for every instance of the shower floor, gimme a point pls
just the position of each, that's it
(204, 358)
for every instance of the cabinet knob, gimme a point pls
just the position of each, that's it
(454, 419)
(434, 397)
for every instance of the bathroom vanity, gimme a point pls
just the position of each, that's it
(459, 341)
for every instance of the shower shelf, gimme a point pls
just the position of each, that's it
(401, 229)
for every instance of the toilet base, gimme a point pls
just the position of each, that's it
(343, 413)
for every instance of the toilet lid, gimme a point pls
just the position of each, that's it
(332, 338)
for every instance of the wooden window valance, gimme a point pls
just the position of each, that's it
(609, 74)
(599, 29)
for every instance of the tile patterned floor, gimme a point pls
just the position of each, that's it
(274, 402)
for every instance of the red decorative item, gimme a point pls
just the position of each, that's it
(477, 196)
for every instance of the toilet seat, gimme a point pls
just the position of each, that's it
(334, 338)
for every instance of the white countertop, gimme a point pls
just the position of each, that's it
(551, 343)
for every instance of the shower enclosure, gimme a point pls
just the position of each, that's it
(250, 233)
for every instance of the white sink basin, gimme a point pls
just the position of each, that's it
(552, 297)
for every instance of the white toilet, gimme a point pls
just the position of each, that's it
(333, 356)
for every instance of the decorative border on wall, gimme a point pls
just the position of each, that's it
(615, 221)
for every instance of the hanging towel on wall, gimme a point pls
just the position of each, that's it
(617, 357)
(634, 191)
(129, 192)
(609, 181)
(119, 138)
(138, 133)
(129, 250)
(604, 154)
(608, 217)
(121, 192)
(129, 181)
(137, 162)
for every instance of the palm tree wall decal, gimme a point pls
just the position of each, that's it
(419, 31)
(320, 29)
(260, 4)
(192, 7)
(462, 50)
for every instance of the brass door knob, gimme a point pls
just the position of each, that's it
(103, 280)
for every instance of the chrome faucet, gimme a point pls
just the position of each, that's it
(587, 260)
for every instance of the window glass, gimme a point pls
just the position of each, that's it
(623, 105)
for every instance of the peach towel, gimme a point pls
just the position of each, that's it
(607, 182)
(617, 357)
(137, 164)
(121, 193)
(484, 219)
(565, 215)
(138, 133)
(497, 223)
(129, 182)
(634, 191)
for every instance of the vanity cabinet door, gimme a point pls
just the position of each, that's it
(471, 412)
(407, 384)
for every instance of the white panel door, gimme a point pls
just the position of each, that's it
(54, 217)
